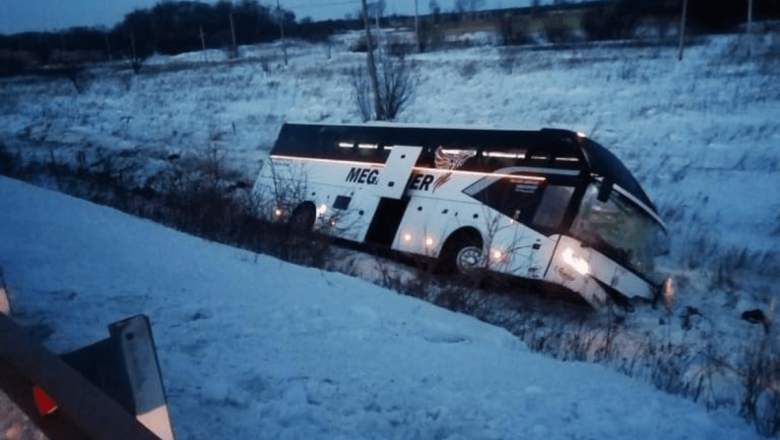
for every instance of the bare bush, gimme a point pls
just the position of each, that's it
(557, 32)
(431, 36)
(508, 60)
(396, 87)
(10, 163)
(513, 33)
(468, 70)
(761, 378)
(359, 79)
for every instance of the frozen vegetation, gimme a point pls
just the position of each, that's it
(700, 134)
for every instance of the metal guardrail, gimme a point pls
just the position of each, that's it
(88, 408)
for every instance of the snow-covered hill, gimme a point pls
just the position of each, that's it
(252, 347)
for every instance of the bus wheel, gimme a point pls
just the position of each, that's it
(302, 219)
(468, 259)
(461, 254)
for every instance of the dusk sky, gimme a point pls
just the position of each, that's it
(47, 15)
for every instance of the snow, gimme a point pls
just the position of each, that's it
(701, 135)
(254, 347)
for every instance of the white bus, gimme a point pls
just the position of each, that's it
(548, 205)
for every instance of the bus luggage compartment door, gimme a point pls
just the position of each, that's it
(398, 167)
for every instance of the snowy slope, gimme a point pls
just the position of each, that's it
(701, 135)
(252, 347)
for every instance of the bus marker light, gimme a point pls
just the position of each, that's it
(578, 263)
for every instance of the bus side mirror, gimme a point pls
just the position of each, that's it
(605, 190)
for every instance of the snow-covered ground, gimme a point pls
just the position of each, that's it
(701, 135)
(252, 347)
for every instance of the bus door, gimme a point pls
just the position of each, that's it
(385, 202)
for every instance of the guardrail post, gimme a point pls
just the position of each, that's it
(84, 404)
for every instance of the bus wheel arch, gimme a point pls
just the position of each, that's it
(462, 251)
(302, 218)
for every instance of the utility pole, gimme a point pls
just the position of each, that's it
(108, 47)
(682, 28)
(749, 25)
(372, 65)
(233, 34)
(280, 17)
(132, 47)
(417, 27)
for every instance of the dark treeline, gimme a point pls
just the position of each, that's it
(173, 27)
(167, 28)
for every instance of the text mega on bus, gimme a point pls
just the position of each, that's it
(549, 205)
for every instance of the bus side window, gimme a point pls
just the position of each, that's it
(523, 200)
(426, 159)
(514, 198)
(495, 159)
(384, 152)
(553, 206)
(344, 149)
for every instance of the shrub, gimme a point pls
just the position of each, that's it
(359, 79)
(396, 87)
(10, 163)
(761, 379)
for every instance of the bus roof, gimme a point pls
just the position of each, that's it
(315, 140)
(313, 135)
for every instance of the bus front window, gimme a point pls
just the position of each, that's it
(622, 231)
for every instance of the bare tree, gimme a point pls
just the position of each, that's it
(682, 28)
(362, 92)
(395, 87)
(470, 6)
(376, 10)
(434, 7)
(371, 63)
(280, 17)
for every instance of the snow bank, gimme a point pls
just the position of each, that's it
(252, 347)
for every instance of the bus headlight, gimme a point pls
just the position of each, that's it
(278, 213)
(429, 242)
(577, 262)
(496, 254)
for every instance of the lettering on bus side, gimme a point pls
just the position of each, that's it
(420, 182)
(363, 175)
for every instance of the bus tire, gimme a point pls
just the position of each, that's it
(302, 219)
(461, 254)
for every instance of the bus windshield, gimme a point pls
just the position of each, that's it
(621, 230)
